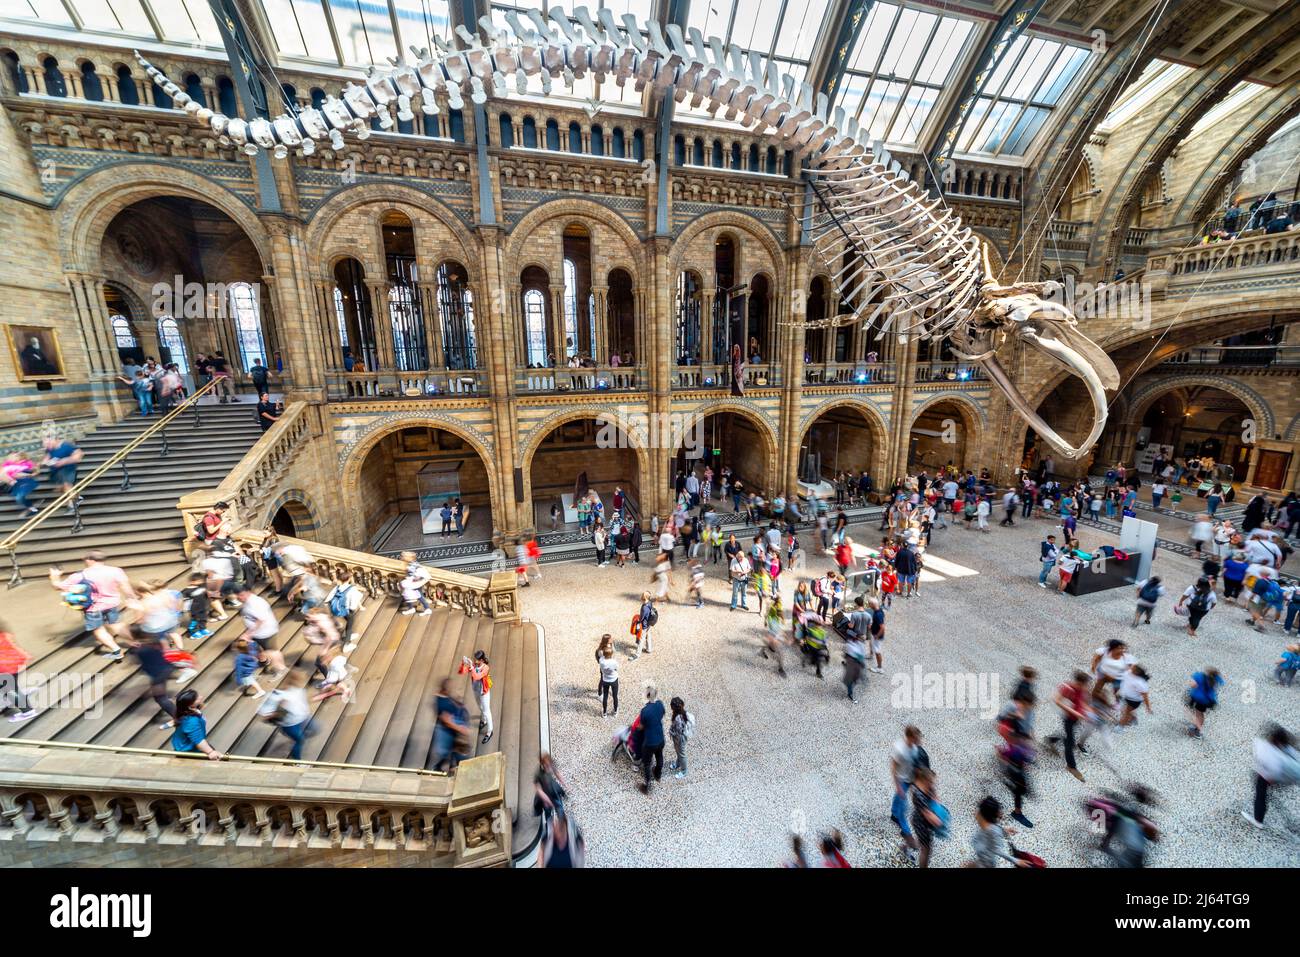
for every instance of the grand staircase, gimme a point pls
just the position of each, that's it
(137, 528)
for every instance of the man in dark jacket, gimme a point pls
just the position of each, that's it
(652, 737)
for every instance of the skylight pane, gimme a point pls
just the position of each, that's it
(800, 28)
(853, 88)
(131, 17)
(187, 21)
(1241, 94)
(711, 17)
(973, 121)
(365, 32)
(944, 55)
(755, 24)
(47, 11)
(1010, 57)
(997, 126)
(1025, 131)
(1061, 76)
(911, 118)
(96, 15)
(891, 95)
(421, 20)
(1158, 77)
(1036, 62)
(872, 39)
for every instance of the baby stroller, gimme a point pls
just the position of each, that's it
(627, 740)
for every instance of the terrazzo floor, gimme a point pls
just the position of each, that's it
(771, 756)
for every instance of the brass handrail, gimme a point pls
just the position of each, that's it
(11, 542)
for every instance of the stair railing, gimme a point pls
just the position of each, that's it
(72, 497)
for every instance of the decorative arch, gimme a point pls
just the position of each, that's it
(726, 219)
(301, 507)
(1259, 406)
(970, 407)
(572, 210)
(352, 456)
(90, 204)
(541, 430)
(385, 196)
(874, 420)
(1292, 432)
(756, 416)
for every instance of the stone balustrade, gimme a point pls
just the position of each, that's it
(848, 373)
(399, 385)
(588, 379)
(54, 793)
(1252, 250)
(496, 597)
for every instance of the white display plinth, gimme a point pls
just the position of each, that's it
(1138, 537)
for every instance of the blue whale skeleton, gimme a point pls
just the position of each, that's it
(899, 258)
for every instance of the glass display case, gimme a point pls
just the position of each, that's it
(438, 484)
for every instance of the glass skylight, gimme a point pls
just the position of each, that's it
(1158, 77)
(1240, 95)
(1020, 95)
(897, 70)
(179, 21)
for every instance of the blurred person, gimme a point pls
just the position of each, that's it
(288, 709)
(1202, 696)
(98, 591)
(681, 729)
(191, 734)
(451, 735)
(1276, 764)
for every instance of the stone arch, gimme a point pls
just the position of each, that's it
(89, 205)
(387, 196)
(728, 220)
(572, 210)
(974, 421)
(541, 430)
(352, 456)
(1259, 406)
(1292, 432)
(301, 508)
(875, 423)
(756, 417)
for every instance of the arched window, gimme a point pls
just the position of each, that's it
(126, 89)
(290, 94)
(194, 89)
(597, 141)
(17, 76)
(570, 307)
(248, 323)
(535, 326)
(408, 330)
(91, 88)
(770, 166)
(172, 344)
(617, 145)
(575, 138)
(735, 157)
(226, 96)
(638, 145)
(507, 131)
(341, 316)
(456, 124)
(552, 135)
(456, 309)
(160, 97)
(679, 150)
(122, 333)
(716, 158)
(753, 158)
(317, 97)
(530, 133)
(697, 152)
(54, 85)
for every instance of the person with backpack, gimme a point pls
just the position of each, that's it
(98, 591)
(928, 821)
(289, 710)
(642, 625)
(563, 845)
(345, 601)
(990, 843)
(479, 671)
(1149, 591)
(681, 729)
(259, 375)
(445, 516)
(1196, 603)
(18, 474)
(1202, 695)
(1073, 698)
(219, 366)
(1276, 764)
(739, 572)
(13, 659)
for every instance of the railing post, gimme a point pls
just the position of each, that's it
(126, 475)
(76, 516)
(16, 578)
(165, 448)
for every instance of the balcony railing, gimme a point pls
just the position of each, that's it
(1239, 357)
(758, 375)
(950, 372)
(399, 385)
(1063, 231)
(593, 379)
(849, 373)
(1244, 252)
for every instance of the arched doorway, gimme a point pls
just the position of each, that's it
(943, 435)
(728, 439)
(844, 438)
(1193, 421)
(407, 477)
(187, 280)
(585, 453)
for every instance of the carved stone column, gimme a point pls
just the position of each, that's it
(383, 324)
(706, 328)
(600, 326)
(428, 290)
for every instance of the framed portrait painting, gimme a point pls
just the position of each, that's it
(36, 353)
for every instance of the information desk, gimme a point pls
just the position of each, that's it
(1116, 574)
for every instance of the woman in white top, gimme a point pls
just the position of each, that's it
(608, 679)
(1134, 686)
